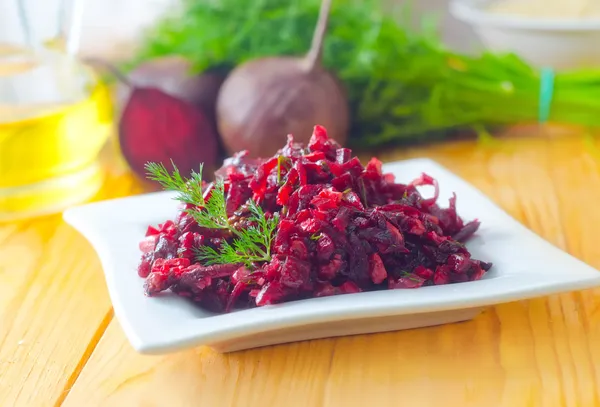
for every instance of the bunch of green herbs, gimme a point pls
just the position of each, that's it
(403, 85)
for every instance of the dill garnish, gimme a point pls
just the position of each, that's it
(248, 245)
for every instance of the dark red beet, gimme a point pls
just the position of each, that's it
(157, 127)
(343, 229)
(167, 117)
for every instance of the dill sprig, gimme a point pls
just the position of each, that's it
(250, 245)
(213, 214)
(247, 246)
(189, 189)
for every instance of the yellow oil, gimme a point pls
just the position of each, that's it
(49, 152)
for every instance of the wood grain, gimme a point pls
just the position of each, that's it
(542, 352)
(53, 304)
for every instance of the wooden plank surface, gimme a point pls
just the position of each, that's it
(53, 303)
(542, 352)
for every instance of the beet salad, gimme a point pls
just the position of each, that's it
(311, 221)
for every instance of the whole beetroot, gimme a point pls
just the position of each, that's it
(167, 115)
(264, 100)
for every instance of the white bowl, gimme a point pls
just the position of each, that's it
(524, 266)
(561, 44)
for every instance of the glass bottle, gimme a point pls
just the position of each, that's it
(55, 113)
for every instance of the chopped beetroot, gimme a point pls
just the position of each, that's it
(332, 269)
(377, 269)
(271, 293)
(148, 244)
(327, 289)
(408, 281)
(425, 179)
(343, 228)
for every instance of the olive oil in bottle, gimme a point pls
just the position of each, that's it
(55, 117)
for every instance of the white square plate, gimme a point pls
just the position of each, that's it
(524, 266)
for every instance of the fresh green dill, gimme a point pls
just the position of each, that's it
(189, 189)
(213, 215)
(247, 245)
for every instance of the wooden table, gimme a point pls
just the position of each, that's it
(61, 345)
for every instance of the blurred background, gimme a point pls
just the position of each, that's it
(112, 28)
(156, 80)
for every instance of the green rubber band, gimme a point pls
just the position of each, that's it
(546, 94)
